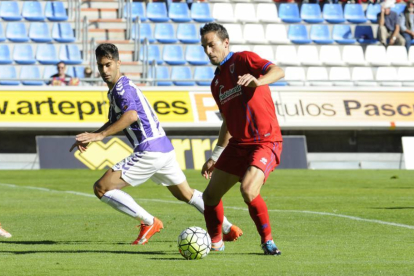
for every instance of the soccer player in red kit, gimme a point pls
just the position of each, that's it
(250, 142)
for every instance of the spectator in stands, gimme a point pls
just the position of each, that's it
(388, 25)
(61, 78)
(407, 23)
(87, 74)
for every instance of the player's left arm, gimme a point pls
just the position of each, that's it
(128, 118)
(273, 74)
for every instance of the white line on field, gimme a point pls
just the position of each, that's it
(227, 207)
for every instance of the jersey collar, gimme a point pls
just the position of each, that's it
(224, 61)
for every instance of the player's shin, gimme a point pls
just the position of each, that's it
(124, 203)
(214, 216)
(198, 203)
(258, 212)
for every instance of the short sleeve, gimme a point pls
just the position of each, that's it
(126, 99)
(256, 65)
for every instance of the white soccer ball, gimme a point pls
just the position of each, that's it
(194, 243)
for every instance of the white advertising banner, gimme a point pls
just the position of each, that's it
(408, 149)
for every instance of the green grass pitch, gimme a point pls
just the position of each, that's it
(325, 223)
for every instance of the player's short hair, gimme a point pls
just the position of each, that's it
(108, 50)
(215, 27)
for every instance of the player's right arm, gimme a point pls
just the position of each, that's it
(222, 142)
(83, 146)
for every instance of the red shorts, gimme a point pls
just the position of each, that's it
(236, 158)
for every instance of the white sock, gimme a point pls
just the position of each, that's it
(198, 203)
(124, 203)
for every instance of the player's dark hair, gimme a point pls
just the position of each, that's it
(107, 50)
(214, 27)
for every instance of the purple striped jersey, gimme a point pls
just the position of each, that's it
(146, 134)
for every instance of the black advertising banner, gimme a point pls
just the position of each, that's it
(191, 152)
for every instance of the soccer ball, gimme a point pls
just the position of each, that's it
(194, 243)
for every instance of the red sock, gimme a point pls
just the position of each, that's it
(258, 212)
(214, 220)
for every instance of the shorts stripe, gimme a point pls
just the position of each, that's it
(268, 167)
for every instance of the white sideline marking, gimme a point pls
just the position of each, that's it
(228, 207)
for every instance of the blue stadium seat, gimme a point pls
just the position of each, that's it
(79, 72)
(333, 13)
(49, 71)
(8, 72)
(320, 34)
(279, 83)
(5, 57)
(311, 13)
(164, 33)
(342, 34)
(203, 75)
(364, 34)
(23, 54)
(70, 54)
(30, 72)
(145, 32)
(173, 55)
(138, 9)
(372, 12)
(62, 32)
(181, 73)
(2, 37)
(46, 54)
(33, 11)
(298, 34)
(153, 54)
(399, 8)
(161, 72)
(16, 32)
(157, 12)
(39, 32)
(9, 11)
(188, 33)
(179, 12)
(289, 12)
(55, 11)
(200, 12)
(70, 70)
(194, 55)
(354, 13)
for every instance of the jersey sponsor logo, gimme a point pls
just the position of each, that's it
(232, 68)
(229, 94)
(216, 82)
(101, 155)
(263, 160)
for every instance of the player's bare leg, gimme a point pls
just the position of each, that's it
(185, 193)
(218, 186)
(108, 189)
(250, 187)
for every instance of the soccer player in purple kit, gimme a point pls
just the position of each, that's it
(153, 157)
(250, 141)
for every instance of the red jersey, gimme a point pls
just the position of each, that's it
(249, 111)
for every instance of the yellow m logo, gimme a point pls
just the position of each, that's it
(100, 155)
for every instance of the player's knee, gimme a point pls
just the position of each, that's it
(98, 189)
(248, 193)
(209, 198)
